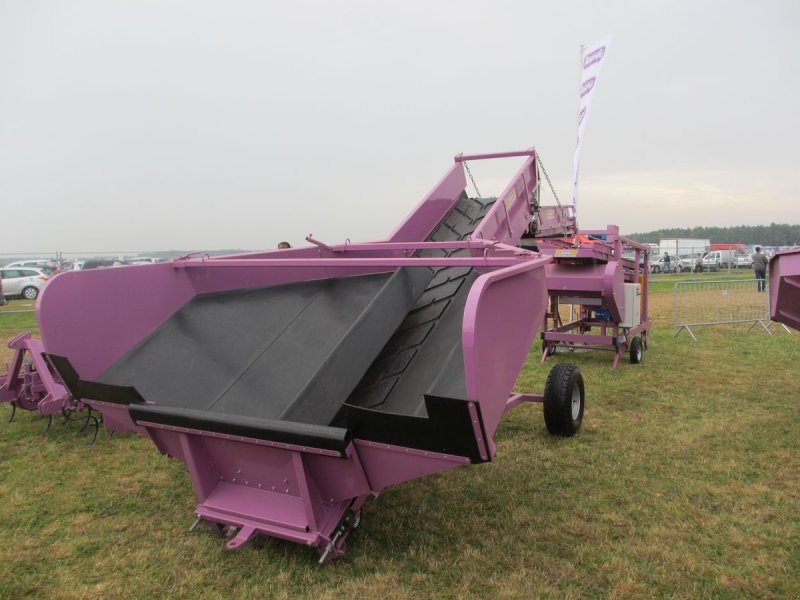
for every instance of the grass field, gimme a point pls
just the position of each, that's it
(682, 483)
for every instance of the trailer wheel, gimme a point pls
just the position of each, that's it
(563, 400)
(637, 351)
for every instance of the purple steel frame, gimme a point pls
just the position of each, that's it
(591, 275)
(784, 287)
(34, 385)
(301, 493)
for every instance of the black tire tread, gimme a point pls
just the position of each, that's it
(636, 349)
(558, 399)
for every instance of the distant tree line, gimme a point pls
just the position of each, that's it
(774, 234)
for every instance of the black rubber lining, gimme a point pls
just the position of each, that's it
(424, 354)
(284, 352)
(91, 390)
(377, 357)
(299, 434)
(447, 429)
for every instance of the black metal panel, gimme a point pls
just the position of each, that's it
(282, 432)
(448, 428)
(291, 352)
(92, 390)
(424, 355)
(65, 369)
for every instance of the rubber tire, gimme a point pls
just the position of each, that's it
(562, 382)
(636, 351)
(30, 293)
(656, 270)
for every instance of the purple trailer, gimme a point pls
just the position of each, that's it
(297, 384)
(784, 287)
(602, 277)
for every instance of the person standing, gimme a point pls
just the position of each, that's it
(698, 263)
(667, 268)
(760, 267)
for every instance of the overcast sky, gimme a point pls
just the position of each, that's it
(146, 125)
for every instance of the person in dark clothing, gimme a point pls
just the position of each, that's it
(760, 267)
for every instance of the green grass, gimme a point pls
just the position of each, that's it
(682, 483)
(16, 316)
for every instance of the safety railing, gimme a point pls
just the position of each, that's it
(702, 303)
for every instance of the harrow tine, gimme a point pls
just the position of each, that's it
(96, 429)
(86, 422)
(47, 427)
(13, 412)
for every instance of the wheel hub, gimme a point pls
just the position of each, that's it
(576, 403)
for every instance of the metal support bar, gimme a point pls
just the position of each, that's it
(464, 157)
(493, 261)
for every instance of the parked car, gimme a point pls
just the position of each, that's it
(687, 262)
(142, 260)
(744, 261)
(26, 282)
(35, 263)
(722, 258)
(711, 262)
(98, 263)
(660, 266)
(3, 300)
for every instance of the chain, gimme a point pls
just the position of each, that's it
(547, 177)
(472, 179)
(555, 195)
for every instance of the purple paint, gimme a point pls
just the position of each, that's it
(302, 493)
(587, 86)
(594, 57)
(784, 287)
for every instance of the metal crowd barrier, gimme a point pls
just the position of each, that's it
(700, 303)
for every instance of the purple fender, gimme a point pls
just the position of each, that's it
(784, 287)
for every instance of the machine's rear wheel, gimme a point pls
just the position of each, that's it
(637, 350)
(564, 398)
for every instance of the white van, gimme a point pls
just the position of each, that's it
(721, 259)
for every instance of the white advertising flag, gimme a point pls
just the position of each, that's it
(592, 60)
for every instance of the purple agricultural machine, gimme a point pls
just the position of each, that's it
(784, 287)
(602, 278)
(297, 384)
(32, 383)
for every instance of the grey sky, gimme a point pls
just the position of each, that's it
(134, 125)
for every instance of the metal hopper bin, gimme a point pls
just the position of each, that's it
(297, 384)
